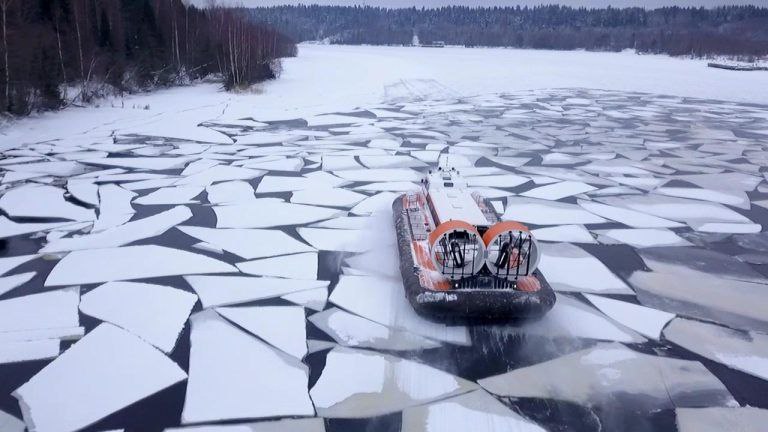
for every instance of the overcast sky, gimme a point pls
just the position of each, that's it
(433, 3)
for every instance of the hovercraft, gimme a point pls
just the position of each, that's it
(459, 261)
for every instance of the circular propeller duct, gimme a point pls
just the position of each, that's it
(456, 249)
(512, 252)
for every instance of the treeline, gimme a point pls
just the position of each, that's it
(53, 51)
(731, 30)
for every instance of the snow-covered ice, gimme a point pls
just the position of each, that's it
(227, 290)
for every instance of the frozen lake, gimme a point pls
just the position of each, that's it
(192, 260)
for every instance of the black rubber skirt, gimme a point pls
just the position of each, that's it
(474, 304)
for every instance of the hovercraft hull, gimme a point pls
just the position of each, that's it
(482, 298)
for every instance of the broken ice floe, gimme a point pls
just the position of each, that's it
(9, 228)
(354, 331)
(646, 321)
(296, 266)
(544, 212)
(249, 378)
(648, 237)
(476, 411)
(570, 318)
(718, 419)
(49, 310)
(341, 240)
(130, 262)
(132, 231)
(564, 233)
(49, 202)
(314, 424)
(228, 290)
(314, 299)
(9, 423)
(561, 261)
(283, 327)
(331, 197)
(104, 372)
(21, 351)
(230, 192)
(248, 243)
(155, 313)
(558, 191)
(270, 212)
(631, 218)
(612, 375)
(357, 383)
(744, 351)
(170, 195)
(8, 283)
(382, 300)
(114, 207)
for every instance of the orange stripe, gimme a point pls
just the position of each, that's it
(500, 228)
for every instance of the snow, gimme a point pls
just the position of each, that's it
(357, 383)
(233, 375)
(561, 261)
(382, 300)
(476, 411)
(248, 243)
(289, 336)
(128, 233)
(130, 262)
(104, 372)
(227, 290)
(297, 266)
(606, 373)
(646, 321)
(155, 313)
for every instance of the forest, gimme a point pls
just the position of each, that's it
(56, 52)
(698, 32)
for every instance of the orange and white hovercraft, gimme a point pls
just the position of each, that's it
(460, 261)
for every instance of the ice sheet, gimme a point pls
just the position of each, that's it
(543, 212)
(341, 240)
(314, 424)
(248, 378)
(9, 228)
(357, 383)
(114, 207)
(475, 411)
(561, 261)
(154, 313)
(327, 196)
(48, 310)
(382, 300)
(231, 192)
(8, 283)
(9, 263)
(716, 419)
(610, 375)
(289, 336)
(564, 233)
(21, 351)
(646, 321)
(353, 331)
(104, 372)
(558, 191)
(296, 266)
(267, 212)
(130, 262)
(170, 195)
(248, 243)
(314, 299)
(130, 232)
(632, 218)
(9, 423)
(647, 237)
(740, 350)
(227, 290)
(49, 202)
